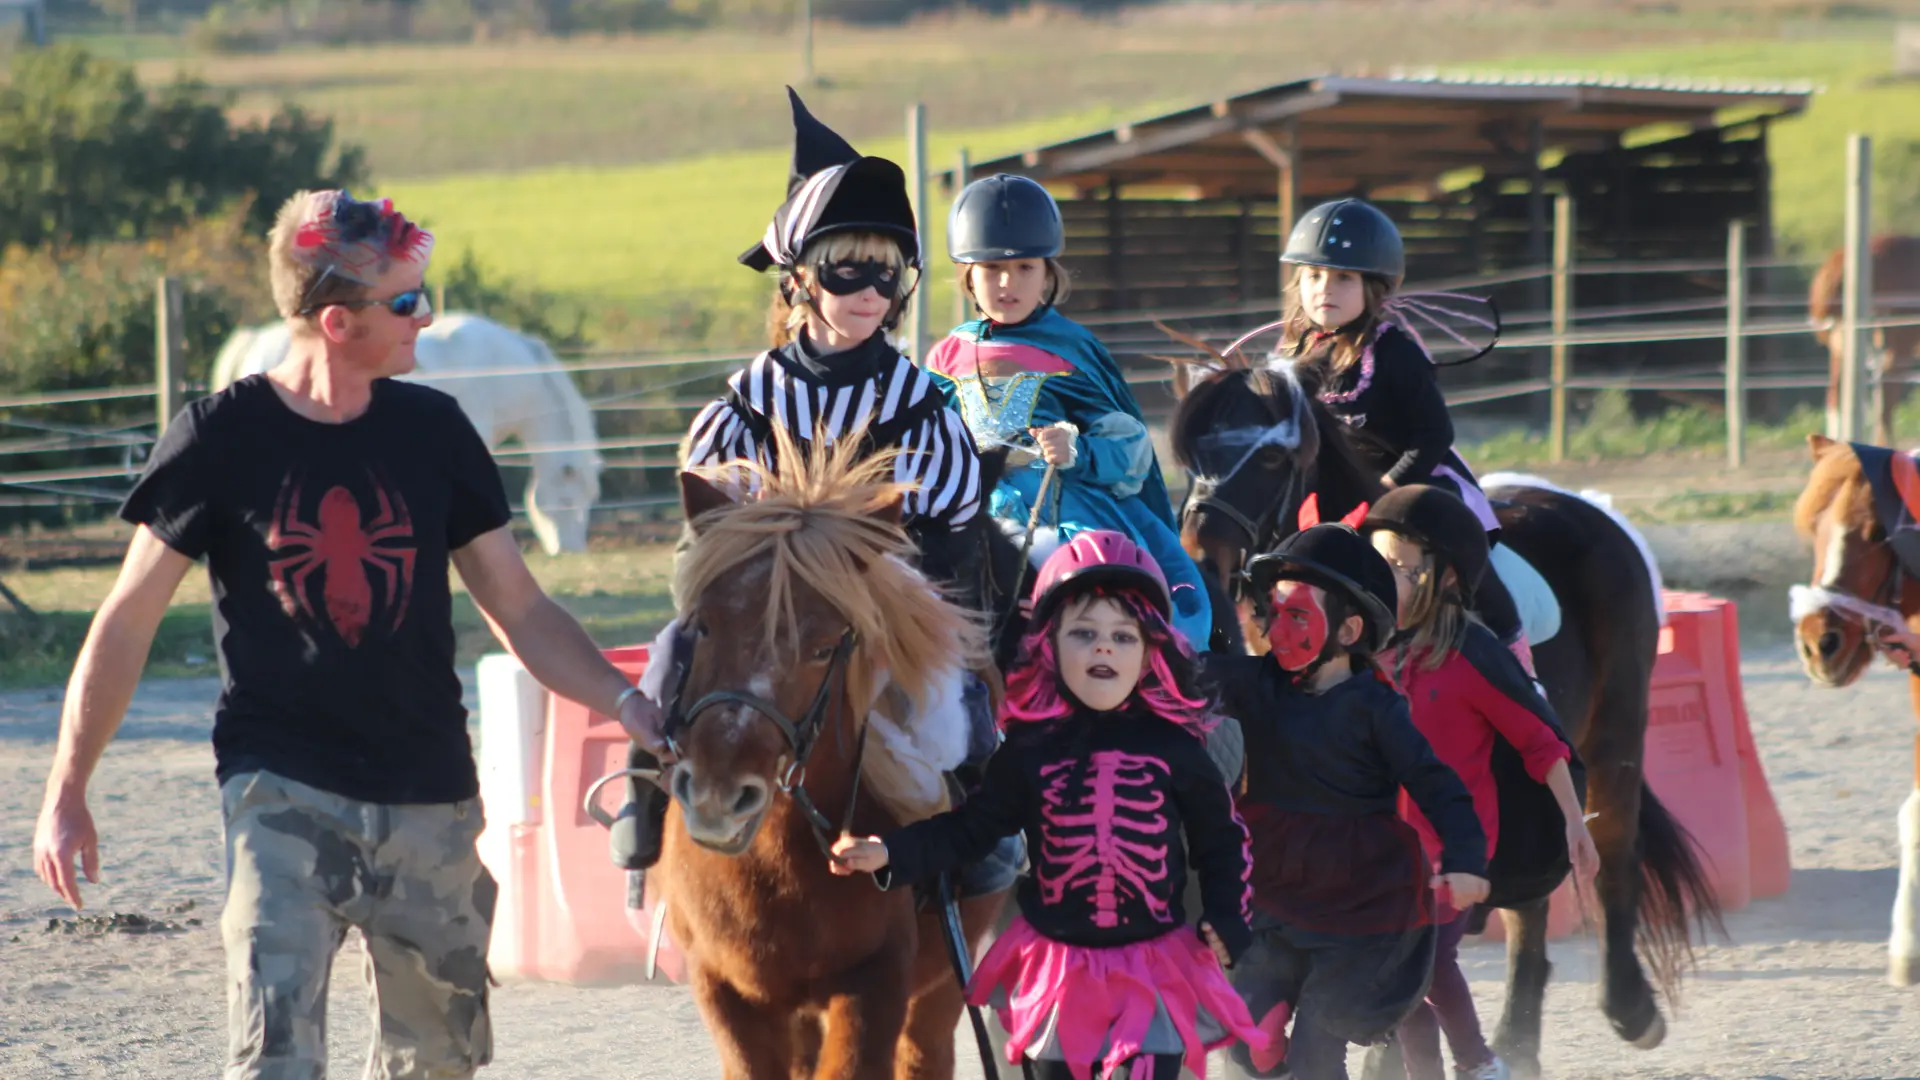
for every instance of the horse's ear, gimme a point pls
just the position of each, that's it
(1819, 444)
(891, 512)
(1182, 381)
(698, 496)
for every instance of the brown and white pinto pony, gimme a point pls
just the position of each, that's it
(1896, 290)
(1851, 557)
(808, 624)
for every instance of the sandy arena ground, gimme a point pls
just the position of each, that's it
(1797, 992)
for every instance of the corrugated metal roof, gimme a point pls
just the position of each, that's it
(1614, 81)
(1367, 129)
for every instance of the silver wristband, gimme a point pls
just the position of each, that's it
(621, 701)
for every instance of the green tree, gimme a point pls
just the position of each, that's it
(86, 153)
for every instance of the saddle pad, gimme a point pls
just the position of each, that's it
(1539, 608)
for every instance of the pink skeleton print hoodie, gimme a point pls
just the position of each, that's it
(1116, 807)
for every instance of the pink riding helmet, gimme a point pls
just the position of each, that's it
(1099, 557)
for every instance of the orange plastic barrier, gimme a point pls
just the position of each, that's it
(562, 914)
(1702, 763)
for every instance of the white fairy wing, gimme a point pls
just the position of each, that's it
(1453, 328)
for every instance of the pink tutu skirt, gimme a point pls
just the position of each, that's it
(1084, 1005)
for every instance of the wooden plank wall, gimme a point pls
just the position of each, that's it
(1666, 201)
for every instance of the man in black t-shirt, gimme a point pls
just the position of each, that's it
(329, 502)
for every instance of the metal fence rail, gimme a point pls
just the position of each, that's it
(1560, 331)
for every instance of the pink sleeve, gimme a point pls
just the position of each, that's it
(1537, 743)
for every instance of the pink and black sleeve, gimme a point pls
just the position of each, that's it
(1218, 848)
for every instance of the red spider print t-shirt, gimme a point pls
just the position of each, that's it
(327, 546)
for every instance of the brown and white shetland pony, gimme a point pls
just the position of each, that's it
(816, 649)
(1896, 290)
(1851, 557)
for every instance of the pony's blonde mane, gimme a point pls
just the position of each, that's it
(822, 518)
(1837, 481)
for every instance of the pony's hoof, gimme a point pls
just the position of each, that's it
(1655, 1034)
(1903, 970)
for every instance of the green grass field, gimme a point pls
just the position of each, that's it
(626, 174)
(659, 240)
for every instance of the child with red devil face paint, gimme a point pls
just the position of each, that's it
(1343, 895)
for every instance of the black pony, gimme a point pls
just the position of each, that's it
(1257, 442)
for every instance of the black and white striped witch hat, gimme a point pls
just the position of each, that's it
(833, 188)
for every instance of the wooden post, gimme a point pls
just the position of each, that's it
(1736, 343)
(439, 298)
(169, 343)
(806, 42)
(1536, 200)
(1289, 197)
(1562, 360)
(917, 176)
(962, 176)
(1857, 288)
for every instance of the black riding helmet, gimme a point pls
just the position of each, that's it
(1336, 558)
(1347, 234)
(1440, 522)
(1004, 217)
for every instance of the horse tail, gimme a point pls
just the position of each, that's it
(1674, 889)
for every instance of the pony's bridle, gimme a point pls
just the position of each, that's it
(1201, 497)
(802, 736)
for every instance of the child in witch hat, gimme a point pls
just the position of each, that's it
(847, 255)
(1376, 375)
(1029, 378)
(1106, 770)
(1343, 895)
(1485, 721)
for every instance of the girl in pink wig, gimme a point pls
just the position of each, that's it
(1106, 771)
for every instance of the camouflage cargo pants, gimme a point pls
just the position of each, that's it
(303, 865)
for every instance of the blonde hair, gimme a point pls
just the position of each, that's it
(785, 319)
(1437, 614)
(1351, 342)
(1059, 281)
(819, 520)
(297, 283)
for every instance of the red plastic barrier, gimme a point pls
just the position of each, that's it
(1702, 763)
(563, 915)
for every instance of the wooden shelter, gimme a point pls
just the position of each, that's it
(1187, 212)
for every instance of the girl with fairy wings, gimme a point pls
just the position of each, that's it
(1030, 379)
(1344, 319)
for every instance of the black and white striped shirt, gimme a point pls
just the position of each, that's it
(873, 384)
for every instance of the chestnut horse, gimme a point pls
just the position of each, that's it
(1256, 442)
(1851, 558)
(814, 656)
(1896, 290)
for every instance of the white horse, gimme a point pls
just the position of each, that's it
(538, 405)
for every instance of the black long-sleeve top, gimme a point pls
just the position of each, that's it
(1321, 794)
(1394, 398)
(1105, 800)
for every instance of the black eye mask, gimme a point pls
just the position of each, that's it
(850, 276)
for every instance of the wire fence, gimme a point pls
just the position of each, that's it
(1562, 349)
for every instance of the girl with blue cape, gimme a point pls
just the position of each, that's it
(1027, 377)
